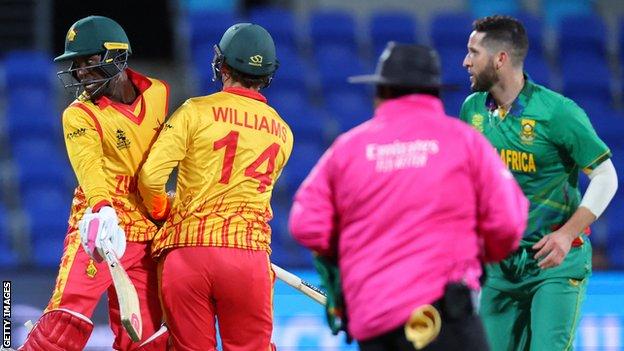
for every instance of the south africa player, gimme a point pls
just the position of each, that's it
(108, 131)
(230, 147)
(532, 299)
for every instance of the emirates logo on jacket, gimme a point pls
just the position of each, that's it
(122, 140)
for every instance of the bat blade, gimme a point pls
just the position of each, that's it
(127, 296)
(308, 289)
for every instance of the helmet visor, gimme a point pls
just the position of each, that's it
(107, 69)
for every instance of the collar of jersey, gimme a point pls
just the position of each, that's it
(140, 82)
(408, 105)
(250, 93)
(517, 107)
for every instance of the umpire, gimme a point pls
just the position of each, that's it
(406, 206)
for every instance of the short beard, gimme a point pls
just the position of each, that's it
(485, 80)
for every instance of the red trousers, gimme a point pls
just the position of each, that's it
(235, 286)
(81, 282)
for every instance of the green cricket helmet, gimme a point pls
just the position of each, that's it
(247, 48)
(94, 35)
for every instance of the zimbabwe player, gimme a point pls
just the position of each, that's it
(108, 130)
(230, 147)
(532, 299)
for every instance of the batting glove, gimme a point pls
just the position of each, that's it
(95, 228)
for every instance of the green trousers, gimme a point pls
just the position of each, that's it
(525, 308)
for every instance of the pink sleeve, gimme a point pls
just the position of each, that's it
(502, 208)
(312, 216)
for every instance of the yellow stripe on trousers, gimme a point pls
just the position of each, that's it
(67, 262)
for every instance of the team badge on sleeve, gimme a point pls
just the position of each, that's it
(527, 130)
(477, 122)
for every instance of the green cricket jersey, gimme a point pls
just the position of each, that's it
(544, 139)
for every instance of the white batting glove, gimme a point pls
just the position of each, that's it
(95, 228)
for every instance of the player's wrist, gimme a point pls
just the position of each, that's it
(98, 206)
(570, 235)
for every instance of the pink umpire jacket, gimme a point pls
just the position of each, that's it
(409, 200)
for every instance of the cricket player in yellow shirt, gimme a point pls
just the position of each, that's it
(230, 147)
(108, 130)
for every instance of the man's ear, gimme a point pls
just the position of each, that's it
(502, 58)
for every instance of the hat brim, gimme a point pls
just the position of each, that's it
(367, 79)
(379, 80)
(65, 56)
(70, 55)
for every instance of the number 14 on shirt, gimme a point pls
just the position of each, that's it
(230, 142)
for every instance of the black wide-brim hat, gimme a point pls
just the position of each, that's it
(406, 65)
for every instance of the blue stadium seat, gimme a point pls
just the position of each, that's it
(203, 54)
(614, 215)
(205, 85)
(212, 5)
(293, 71)
(453, 100)
(621, 40)
(30, 113)
(294, 108)
(554, 10)
(207, 27)
(350, 107)
(8, 257)
(453, 71)
(609, 124)
(304, 156)
(32, 69)
(578, 79)
(47, 210)
(47, 252)
(39, 161)
(455, 75)
(279, 22)
(391, 26)
(286, 251)
(333, 27)
(279, 231)
(482, 8)
(582, 33)
(538, 70)
(535, 32)
(451, 30)
(337, 62)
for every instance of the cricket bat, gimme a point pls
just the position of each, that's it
(129, 307)
(308, 289)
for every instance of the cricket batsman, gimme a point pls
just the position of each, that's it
(108, 130)
(230, 147)
(532, 300)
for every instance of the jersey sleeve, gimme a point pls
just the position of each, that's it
(502, 208)
(83, 141)
(464, 111)
(571, 130)
(168, 150)
(312, 216)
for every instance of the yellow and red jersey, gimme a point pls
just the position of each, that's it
(230, 147)
(107, 142)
